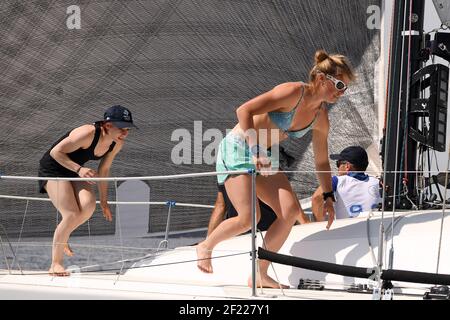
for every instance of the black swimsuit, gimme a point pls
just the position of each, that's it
(49, 167)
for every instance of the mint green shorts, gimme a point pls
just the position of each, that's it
(234, 155)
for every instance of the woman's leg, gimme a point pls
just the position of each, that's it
(277, 193)
(76, 203)
(239, 191)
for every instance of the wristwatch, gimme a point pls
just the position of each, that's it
(328, 195)
(257, 151)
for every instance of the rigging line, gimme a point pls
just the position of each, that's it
(381, 232)
(429, 163)
(151, 255)
(20, 235)
(178, 262)
(10, 247)
(54, 246)
(4, 254)
(130, 260)
(397, 220)
(372, 254)
(57, 203)
(391, 253)
(443, 213)
(151, 266)
(436, 204)
(90, 240)
(422, 149)
(120, 232)
(254, 202)
(170, 177)
(155, 253)
(429, 175)
(399, 109)
(166, 234)
(419, 179)
(367, 171)
(386, 104)
(435, 159)
(179, 204)
(271, 265)
(36, 244)
(145, 178)
(408, 82)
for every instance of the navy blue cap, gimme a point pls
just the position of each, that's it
(119, 116)
(355, 155)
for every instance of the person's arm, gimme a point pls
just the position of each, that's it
(317, 204)
(320, 147)
(218, 213)
(278, 99)
(80, 137)
(103, 171)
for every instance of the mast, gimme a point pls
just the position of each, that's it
(399, 150)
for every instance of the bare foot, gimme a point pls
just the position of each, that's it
(58, 270)
(204, 258)
(68, 250)
(266, 282)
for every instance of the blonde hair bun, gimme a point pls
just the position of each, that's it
(334, 64)
(320, 56)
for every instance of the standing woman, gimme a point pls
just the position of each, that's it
(75, 200)
(291, 109)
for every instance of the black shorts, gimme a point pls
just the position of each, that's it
(51, 173)
(268, 216)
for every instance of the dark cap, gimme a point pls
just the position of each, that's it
(355, 155)
(119, 116)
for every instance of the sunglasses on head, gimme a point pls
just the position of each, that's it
(340, 163)
(338, 84)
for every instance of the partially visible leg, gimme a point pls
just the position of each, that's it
(239, 191)
(218, 213)
(276, 192)
(85, 196)
(76, 203)
(68, 250)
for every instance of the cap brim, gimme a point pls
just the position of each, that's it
(335, 157)
(123, 124)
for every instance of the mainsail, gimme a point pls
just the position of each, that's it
(173, 63)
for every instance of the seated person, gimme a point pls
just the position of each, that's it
(354, 191)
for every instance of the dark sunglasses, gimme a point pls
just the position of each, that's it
(338, 84)
(340, 163)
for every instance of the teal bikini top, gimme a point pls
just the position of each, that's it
(283, 120)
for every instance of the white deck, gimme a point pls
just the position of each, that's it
(174, 274)
(99, 287)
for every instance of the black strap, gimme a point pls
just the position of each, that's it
(327, 195)
(98, 130)
(111, 147)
